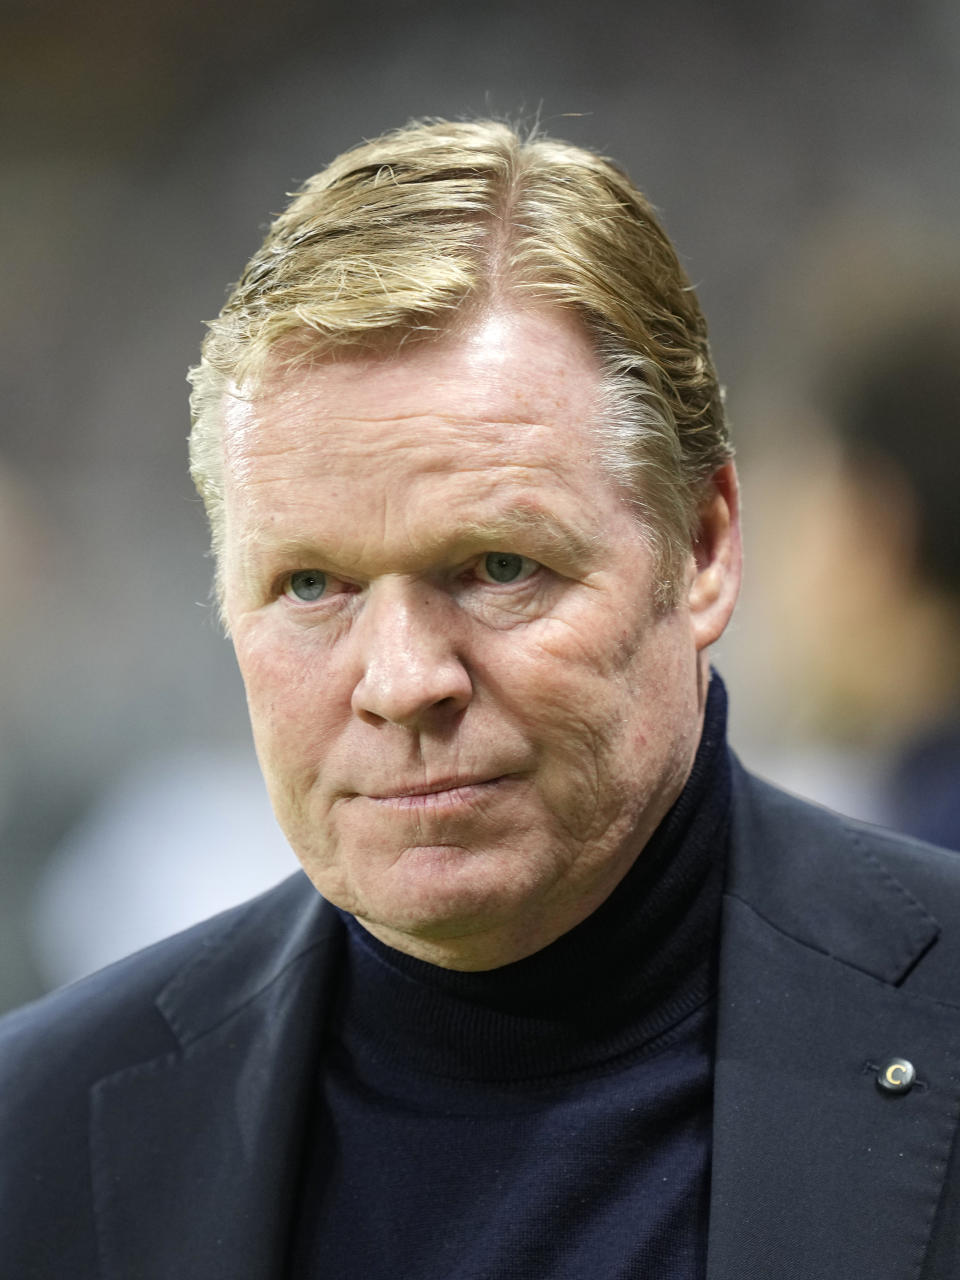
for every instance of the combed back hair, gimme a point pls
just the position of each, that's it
(413, 234)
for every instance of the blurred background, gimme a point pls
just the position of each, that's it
(805, 160)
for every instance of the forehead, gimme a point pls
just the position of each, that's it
(502, 415)
(529, 365)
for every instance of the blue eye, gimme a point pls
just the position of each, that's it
(505, 566)
(307, 584)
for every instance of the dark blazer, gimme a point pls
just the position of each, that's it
(151, 1116)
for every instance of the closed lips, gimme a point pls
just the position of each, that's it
(432, 788)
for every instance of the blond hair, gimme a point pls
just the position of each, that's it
(404, 237)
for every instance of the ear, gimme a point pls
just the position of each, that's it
(714, 583)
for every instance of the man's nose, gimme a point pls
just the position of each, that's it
(411, 671)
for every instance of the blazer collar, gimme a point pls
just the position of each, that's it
(816, 1172)
(196, 1153)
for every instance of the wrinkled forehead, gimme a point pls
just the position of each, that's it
(530, 367)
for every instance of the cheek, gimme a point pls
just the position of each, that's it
(617, 687)
(663, 711)
(567, 692)
(583, 666)
(293, 699)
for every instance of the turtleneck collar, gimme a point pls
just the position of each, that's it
(613, 985)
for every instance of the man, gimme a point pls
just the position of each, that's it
(576, 996)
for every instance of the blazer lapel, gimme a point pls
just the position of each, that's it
(817, 1171)
(195, 1154)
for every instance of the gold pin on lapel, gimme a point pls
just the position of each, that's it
(897, 1076)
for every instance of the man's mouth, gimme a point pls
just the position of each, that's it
(437, 791)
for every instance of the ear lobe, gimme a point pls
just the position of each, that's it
(715, 583)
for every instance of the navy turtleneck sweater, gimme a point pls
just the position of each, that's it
(549, 1119)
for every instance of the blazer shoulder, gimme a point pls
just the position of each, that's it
(114, 1017)
(930, 868)
(819, 875)
(143, 1018)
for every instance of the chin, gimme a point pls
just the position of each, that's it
(437, 894)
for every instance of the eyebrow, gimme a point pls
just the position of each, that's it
(542, 533)
(540, 529)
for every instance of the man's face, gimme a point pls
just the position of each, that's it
(468, 711)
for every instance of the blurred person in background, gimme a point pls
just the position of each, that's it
(561, 990)
(875, 540)
(853, 507)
